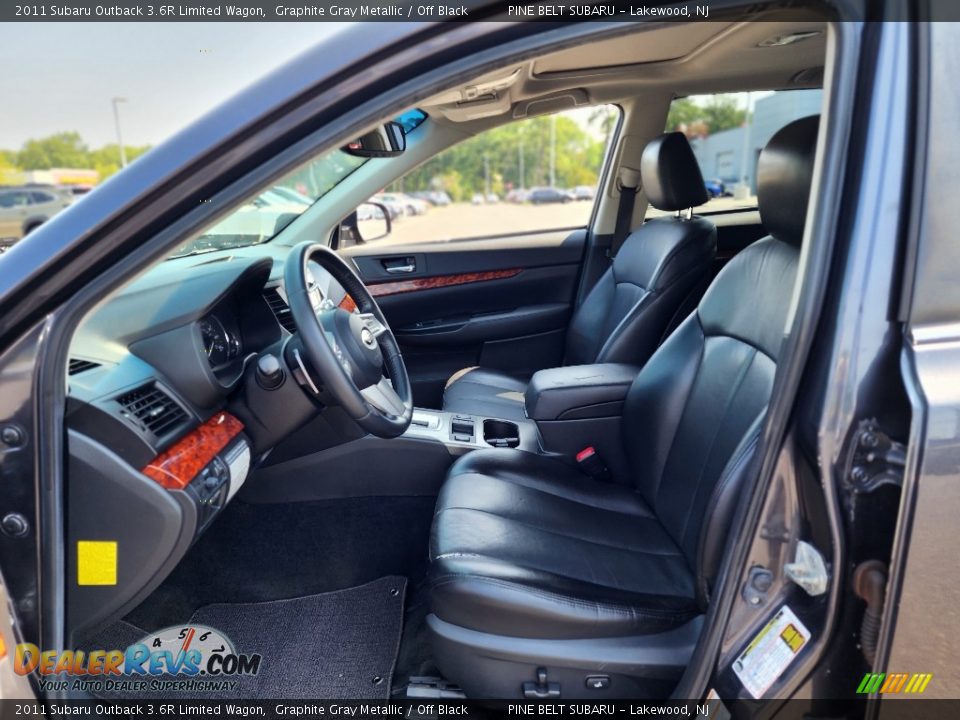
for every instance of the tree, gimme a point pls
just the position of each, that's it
(723, 113)
(683, 113)
(695, 119)
(106, 160)
(460, 172)
(8, 168)
(64, 149)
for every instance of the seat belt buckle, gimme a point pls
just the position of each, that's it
(590, 463)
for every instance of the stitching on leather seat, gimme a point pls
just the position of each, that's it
(558, 533)
(544, 491)
(625, 610)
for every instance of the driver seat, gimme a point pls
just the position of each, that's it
(547, 583)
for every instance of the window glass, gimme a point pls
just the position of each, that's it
(275, 207)
(42, 197)
(13, 199)
(727, 132)
(265, 215)
(527, 176)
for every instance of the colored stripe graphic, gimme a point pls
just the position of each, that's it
(892, 683)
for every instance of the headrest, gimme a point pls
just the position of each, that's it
(784, 173)
(670, 173)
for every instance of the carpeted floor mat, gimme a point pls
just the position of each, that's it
(334, 645)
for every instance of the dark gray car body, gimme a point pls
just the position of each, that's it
(908, 301)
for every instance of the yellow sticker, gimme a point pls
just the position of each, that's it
(96, 562)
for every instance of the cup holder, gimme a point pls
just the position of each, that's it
(501, 433)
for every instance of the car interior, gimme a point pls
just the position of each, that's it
(502, 466)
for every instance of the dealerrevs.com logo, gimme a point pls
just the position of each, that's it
(180, 657)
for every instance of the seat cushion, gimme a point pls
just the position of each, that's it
(491, 393)
(527, 546)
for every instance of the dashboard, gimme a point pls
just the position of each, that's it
(220, 345)
(166, 416)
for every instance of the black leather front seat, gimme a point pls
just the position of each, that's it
(625, 315)
(535, 565)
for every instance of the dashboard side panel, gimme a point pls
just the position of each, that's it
(179, 464)
(111, 502)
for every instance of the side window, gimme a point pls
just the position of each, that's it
(727, 131)
(42, 197)
(13, 199)
(528, 176)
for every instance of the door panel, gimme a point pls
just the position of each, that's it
(501, 302)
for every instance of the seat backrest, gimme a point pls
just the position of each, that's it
(627, 311)
(693, 416)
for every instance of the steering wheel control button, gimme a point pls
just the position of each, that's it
(367, 338)
(270, 373)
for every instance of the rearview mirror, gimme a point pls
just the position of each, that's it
(370, 221)
(388, 140)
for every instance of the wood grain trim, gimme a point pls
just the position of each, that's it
(182, 462)
(439, 281)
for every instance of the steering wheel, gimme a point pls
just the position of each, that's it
(354, 353)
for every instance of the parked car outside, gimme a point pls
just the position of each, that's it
(437, 198)
(411, 205)
(24, 209)
(716, 188)
(396, 209)
(544, 195)
(583, 192)
(291, 195)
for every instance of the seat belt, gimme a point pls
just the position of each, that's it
(629, 183)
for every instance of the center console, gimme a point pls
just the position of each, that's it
(461, 432)
(580, 407)
(568, 409)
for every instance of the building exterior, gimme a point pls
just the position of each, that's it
(62, 176)
(722, 155)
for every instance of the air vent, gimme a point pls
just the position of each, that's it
(78, 366)
(280, 309)
(152, 409)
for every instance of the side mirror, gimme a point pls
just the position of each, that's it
(370, 221)
(387, 140)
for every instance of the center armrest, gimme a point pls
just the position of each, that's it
(579, 391)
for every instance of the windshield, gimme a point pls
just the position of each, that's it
(265, 215)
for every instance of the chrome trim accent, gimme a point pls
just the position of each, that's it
(303, 369)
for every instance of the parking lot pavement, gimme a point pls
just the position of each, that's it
(463, 220)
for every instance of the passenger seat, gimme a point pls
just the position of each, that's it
(624, 316)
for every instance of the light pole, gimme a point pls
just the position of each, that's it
(553, 150)
(116, 121)
(486, 177)
(745, 154)
(520, 163)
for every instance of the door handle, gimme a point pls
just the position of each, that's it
(398, 266)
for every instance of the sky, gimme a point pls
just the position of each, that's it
(62, 76)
